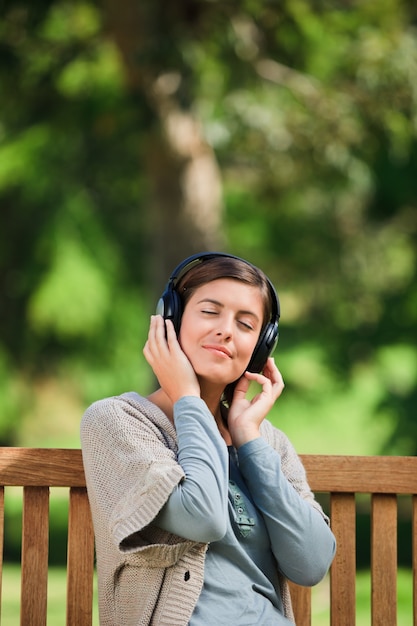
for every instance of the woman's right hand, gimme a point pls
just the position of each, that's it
(170, 364)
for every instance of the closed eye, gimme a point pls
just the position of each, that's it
(246, 325)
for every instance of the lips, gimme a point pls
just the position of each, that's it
(221, 350)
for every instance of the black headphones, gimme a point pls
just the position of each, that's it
(170, 307)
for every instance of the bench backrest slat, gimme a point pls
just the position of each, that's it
(35, 535)
(80, 560)
(414, 557)
(301, 604)
(343, 572)
(384, 559)
(384, 478)
(1, 538)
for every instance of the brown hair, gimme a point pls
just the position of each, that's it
(225, 267)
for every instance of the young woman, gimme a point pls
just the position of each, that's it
(201, 507)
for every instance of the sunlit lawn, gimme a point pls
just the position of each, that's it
(57, 584)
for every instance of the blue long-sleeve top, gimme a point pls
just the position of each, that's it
(257, 524)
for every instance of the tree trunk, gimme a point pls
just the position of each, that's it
(184, 214)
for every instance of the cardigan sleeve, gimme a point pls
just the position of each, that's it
(130, 470)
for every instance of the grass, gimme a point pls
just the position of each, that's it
(57, 583)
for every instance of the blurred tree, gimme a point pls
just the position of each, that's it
(72, 246)
(116, 122)
(186, 203)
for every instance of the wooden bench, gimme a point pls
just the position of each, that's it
(384, 478)
(342, 477)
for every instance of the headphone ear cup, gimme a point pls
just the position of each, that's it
(264, 348)
(169, 306)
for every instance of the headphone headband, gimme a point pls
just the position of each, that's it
(196, 259)
(170, 306)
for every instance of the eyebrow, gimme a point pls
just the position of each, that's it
(220, 304)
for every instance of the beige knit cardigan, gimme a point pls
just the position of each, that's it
(147, 576)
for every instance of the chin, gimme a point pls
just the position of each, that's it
(216, 379)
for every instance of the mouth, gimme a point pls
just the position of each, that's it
(221, 351)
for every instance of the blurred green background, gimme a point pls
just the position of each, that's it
(135, 133)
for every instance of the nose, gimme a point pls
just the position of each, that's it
(225, 327)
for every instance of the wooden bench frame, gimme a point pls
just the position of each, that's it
(36, 470)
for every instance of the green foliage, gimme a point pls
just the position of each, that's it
(74, 298)
(311, 111)
(13, 398)
(71, 241)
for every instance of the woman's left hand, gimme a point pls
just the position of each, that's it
(245, 416)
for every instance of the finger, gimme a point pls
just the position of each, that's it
(270, 368)
(157, 322)
(156, 344)
(170, 331)
(160, 329)
(146, 351)
(242, 385)
(151, 337)
(261, 379)
(272, 372)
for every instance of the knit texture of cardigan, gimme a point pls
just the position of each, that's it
(147, 576)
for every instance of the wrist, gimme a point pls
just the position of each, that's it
(244, 435)
(186, 395)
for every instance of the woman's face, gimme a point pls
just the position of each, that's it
(220, 327)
